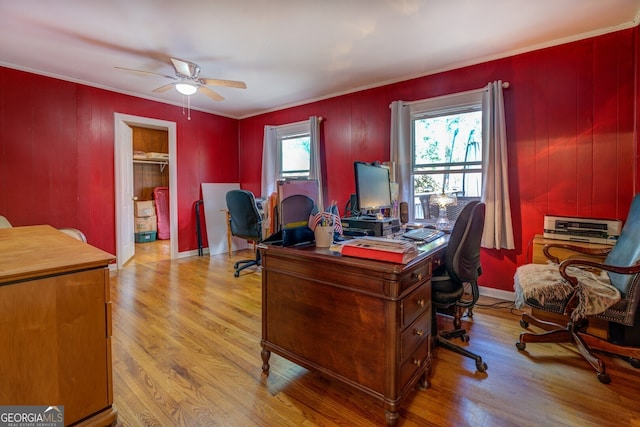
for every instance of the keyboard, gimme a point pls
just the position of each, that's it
(423, 234)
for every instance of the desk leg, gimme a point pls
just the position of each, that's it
(265, 354)
(423, 383)
(391, 417)
(228, 232)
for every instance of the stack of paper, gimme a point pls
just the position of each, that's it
(379, 248)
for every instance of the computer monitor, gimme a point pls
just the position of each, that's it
(373, 187)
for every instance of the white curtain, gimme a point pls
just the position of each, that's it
(269, 160)
(400, 154)
(315, 170)
(498, 230)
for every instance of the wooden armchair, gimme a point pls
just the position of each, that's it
(582, 289)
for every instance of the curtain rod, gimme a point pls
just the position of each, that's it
(505, 85)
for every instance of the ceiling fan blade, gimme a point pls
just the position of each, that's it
(164, 88)
(211, 94)
(185, 68)
(145, 72)
(226, 83)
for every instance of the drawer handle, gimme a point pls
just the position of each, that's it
(420, 302)
(417, 276)
(418, 332)
(417, 362)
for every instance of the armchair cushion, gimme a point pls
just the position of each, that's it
(542, 286)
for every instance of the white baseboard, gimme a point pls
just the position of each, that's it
(497, 293)
(186, 254)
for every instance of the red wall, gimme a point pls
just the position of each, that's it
(57, 155)
(571, 120)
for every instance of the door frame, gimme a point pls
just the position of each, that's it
(124, 164)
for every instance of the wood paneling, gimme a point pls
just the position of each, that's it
(571, 120)
(57, 155)
(150, 140)
(147, 176)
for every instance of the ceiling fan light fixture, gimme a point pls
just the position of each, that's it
(186, 88)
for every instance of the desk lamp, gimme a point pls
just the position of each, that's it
(443, 201)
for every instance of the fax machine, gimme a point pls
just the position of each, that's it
(591, 230)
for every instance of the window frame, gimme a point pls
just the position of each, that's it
(290, 131)
(439, 107)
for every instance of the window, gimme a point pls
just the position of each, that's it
(294, 151)
(291, 151)
(446, 151)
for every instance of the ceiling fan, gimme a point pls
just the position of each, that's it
(188, 80)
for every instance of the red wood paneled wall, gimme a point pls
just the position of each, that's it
(571, 124)
(57, 155)
(571, 119)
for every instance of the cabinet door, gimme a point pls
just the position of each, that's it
(53, 333)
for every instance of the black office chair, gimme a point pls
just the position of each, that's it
(245, 222)
(455, 284)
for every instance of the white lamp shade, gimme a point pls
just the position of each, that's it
(186, 88)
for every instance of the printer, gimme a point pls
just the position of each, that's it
(590, 230)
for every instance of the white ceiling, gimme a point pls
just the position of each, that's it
(287, 51)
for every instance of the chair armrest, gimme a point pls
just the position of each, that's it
(603, 252)
(634, 269)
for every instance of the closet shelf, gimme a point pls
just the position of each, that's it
(162, 163)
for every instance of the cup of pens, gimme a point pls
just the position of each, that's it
(324, 224)
(324, 235)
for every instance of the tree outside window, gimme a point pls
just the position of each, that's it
(295, 156)
(447, 155)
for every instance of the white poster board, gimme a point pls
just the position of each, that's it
(215, 207)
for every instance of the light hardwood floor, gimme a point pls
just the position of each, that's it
(186, 352)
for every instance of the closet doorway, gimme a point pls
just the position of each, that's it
(137, 180)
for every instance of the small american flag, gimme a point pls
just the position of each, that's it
(330, 217)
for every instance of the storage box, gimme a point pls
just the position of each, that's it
(147, 223)
(145, 208)
(145, 236)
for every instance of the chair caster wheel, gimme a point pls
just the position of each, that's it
(524, 324)
(464, 338)
(604, 378)
(634, 362)
(481, 366)
(521, 346)
(236, 274)
(236, 265)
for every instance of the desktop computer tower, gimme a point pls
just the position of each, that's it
(361, 226)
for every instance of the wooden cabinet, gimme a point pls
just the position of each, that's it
(597, 327)
(55, 317)
(539, 242)
(363, 322)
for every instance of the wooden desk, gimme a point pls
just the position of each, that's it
(55, 313)
(365, 323)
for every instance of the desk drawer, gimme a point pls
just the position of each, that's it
(415, 333)
(414, 362)
(415, 304)
(419, 274)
